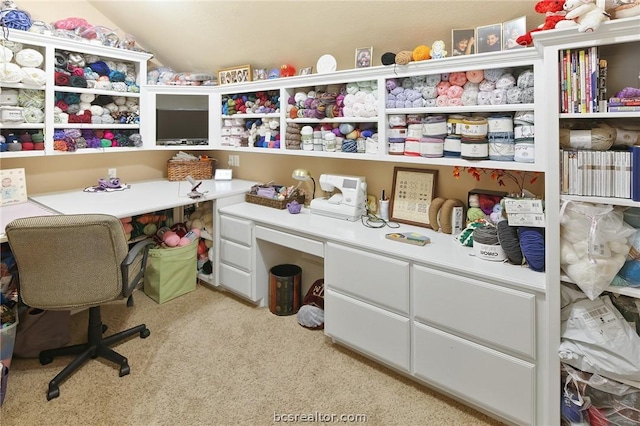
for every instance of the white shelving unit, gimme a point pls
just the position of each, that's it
(49, 46)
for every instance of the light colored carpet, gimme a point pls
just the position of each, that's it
(213, 359)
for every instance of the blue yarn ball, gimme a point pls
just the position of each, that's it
(532, 246)
(17, 19)
(116, 76)
(100, 67)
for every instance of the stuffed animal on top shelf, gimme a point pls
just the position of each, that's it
(554, 18)
(586, 14)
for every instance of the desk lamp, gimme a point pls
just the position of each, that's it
(304, 176)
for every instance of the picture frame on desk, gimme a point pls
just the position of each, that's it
(412, 193)
(14, 187)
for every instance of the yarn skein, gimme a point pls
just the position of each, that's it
(532, 246)
(508, 237)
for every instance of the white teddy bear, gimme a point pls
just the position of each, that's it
(585, 13)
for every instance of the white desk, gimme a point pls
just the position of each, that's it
(142, 197)
(17, 211)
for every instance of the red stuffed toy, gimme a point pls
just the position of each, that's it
(554, 14)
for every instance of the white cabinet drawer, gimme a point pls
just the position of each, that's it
(236, 280)
(497, 315)
(235, 254)
(237, 230)
(378, 279)
(294, 242)
(491, 379)
(374, 331)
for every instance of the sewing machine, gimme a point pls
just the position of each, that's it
(348, 204)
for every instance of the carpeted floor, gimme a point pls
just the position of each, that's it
(213, 359)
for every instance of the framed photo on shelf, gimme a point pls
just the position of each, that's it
(489, 38)
(364, 57)
(14, 187)
(259, 74)
(239, 74)
(511, 30)
(305, 71)
(463, 42)
(411, 195)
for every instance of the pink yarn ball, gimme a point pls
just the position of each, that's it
(184, 241)
(171, 239)
(196, 231)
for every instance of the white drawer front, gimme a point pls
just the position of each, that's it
(235, 254)
(236, 280)
(374, 331)
(489, 378)
(237, 230)
(498, 315)
(294, 242)
(383, 281)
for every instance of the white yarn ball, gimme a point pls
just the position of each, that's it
(10, 73)
(96, 110)
(6, 55)
(87, 97)
(34, 76)
(29, 58)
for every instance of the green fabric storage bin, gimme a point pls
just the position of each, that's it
(171, 272)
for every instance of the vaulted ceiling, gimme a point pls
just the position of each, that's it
(206, 35)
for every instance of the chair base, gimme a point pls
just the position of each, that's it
(96, 346)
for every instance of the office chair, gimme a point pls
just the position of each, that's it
(70, 262)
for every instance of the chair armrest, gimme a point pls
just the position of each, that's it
(128, 284)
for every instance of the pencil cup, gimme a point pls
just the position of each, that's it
(384, 209)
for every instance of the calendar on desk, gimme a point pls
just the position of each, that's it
(412, 194)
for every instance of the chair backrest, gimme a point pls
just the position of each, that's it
(68, 261)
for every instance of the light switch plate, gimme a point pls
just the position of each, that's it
(223, 174)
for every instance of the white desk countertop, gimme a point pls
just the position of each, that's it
(142, 197)
(443, 252)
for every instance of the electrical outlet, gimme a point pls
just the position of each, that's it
(230, 161)
(112, 173)
(236, 161)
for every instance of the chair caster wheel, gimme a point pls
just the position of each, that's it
(105, 327)
(44, 360)
(54, 392)
(124, 370)
(145, 333)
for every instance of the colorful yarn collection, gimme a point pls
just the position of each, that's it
(72, 139)
(91, 71)
(357, 99)
(90, 109)
(24, 142)
(475, 87)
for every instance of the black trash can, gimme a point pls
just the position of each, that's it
(285, 286)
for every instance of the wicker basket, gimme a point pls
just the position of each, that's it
(199, 170)
(270, 202)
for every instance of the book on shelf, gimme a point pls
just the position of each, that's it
(602, 85)
(624, 108)
(635, 173)
(598, 173)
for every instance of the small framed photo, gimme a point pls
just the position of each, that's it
(305, 71)
(259, 74)
(463, 42)
(411, 196)
(364, 57)
(511, 30)
(489, 38)
(14, 187)
(239, 74)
